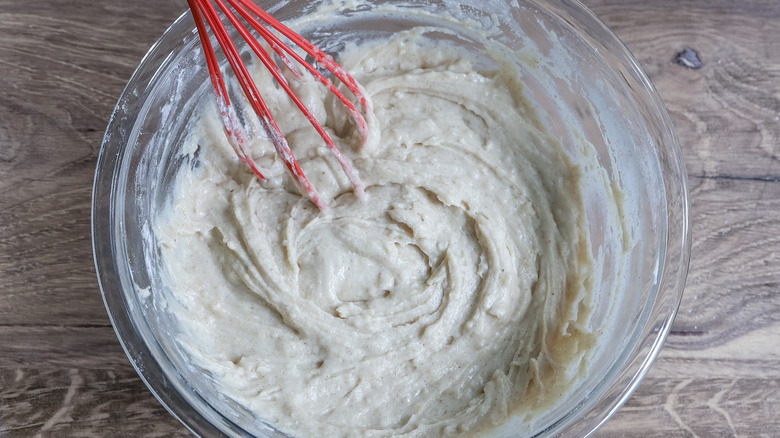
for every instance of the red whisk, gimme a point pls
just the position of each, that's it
(253, 15)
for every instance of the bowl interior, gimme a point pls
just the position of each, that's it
(589, 91)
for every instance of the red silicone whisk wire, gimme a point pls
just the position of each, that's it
(232, 127)
(205, 9)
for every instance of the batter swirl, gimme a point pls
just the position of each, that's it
(451, 297)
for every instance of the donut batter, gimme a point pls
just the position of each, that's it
(450, 298)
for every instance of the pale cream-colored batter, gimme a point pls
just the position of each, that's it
(452, 297)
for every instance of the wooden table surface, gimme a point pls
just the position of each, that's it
(63, 64)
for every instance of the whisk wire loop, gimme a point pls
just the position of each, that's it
(244, 8)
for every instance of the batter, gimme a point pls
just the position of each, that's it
(450, 298)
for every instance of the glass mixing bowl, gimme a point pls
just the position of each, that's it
(586, 84)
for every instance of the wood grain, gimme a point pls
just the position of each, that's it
(80, 402)
(719, 372)
(63, 64)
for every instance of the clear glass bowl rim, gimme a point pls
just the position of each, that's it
(108, 246)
